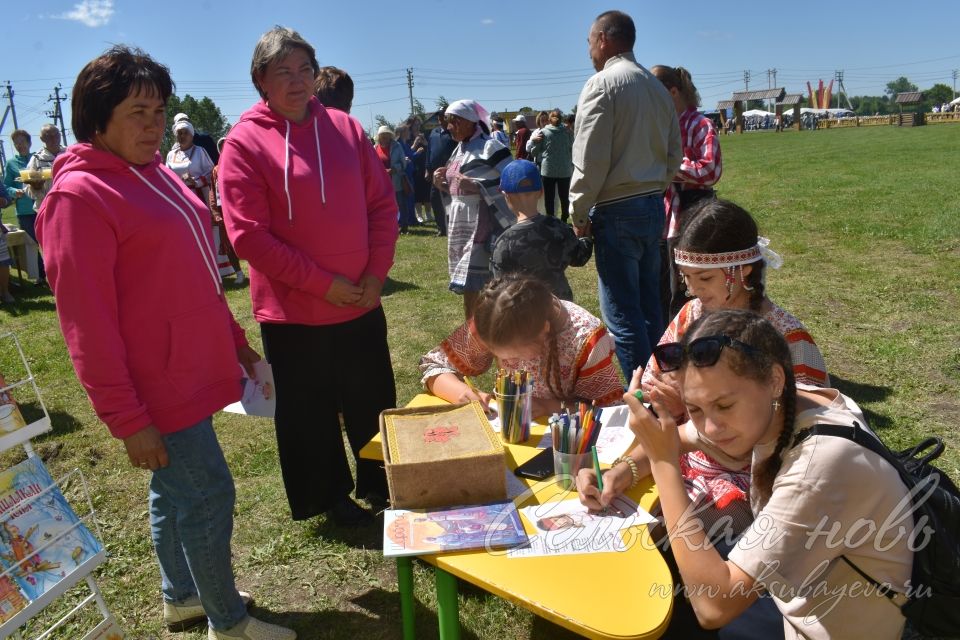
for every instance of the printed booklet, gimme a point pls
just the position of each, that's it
(428, 531)
(41, 539)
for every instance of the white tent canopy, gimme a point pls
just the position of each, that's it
(955, 101)
(758, 112)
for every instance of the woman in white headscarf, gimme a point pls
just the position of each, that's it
(476, 212)
(194, 166)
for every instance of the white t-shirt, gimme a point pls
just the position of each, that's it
(831, 497)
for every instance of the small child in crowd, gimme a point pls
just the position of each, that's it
(537, 245)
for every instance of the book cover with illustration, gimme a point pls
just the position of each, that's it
(10, 417)
(423, 532)
(41, 539)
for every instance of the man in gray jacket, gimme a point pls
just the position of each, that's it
(626, 151)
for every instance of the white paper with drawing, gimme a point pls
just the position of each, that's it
(258, 397)
(567, 526)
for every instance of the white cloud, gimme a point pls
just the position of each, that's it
(486, 21)
(92, 13)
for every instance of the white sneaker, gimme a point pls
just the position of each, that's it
(190, 613)
(253, 629)
(240, 279)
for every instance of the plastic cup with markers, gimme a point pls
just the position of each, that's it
(574, 435)
(514, 395)
(566, 466)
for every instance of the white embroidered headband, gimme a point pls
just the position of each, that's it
(759, 251)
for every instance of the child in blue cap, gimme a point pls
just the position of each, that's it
(537, 245)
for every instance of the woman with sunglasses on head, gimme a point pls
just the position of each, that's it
(822, 503)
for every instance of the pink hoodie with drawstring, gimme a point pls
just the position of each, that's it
(130, 258)
(304, 203)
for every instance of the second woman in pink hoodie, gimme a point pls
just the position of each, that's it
(307, 203)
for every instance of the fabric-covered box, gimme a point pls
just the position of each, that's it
(442, 456)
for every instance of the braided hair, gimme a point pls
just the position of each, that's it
(771, 349)
(718, 226)
(511, 310)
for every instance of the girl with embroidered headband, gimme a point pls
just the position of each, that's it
(722, 260)
(820, 501)
(519, 322)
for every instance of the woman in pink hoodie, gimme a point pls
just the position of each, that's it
(133, 269)
(309, 205)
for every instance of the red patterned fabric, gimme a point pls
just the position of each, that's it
(585, 355)
(716, 260)
(701, 167)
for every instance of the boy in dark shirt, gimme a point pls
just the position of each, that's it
(537, 245)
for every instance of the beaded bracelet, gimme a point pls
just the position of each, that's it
(633, 469)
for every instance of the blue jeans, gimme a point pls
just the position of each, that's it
(191, 519)
(627, 252)
(27, 223)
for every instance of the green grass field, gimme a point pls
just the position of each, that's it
(868, 222)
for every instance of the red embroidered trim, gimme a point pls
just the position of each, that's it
(716, 260)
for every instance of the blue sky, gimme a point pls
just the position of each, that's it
(505, 54)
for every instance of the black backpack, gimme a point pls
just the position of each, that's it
(932, 604)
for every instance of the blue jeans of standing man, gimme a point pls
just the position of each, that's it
(626, 248)
(191, 519)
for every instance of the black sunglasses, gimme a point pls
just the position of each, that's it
(702, 352)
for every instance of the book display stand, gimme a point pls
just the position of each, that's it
(46, 549)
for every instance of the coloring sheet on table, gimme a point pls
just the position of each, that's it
(542, 546)
(567, 526)
(258, 397)
(615, 435)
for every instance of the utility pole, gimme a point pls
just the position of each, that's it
(956, 72)
(9, 110)
(838, 75)
(746, 80)
(410, 87)
(13, 111)
(57, 113)
(771, 83)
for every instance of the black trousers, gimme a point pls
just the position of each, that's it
(439, 213)
(552, 186)
(320, 371)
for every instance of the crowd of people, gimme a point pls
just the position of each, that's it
(315, 208)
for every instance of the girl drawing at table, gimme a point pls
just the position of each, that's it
(519, 322)
(723, 262)
(736, 374)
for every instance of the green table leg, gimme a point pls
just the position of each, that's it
(448, 613)
(405, 583)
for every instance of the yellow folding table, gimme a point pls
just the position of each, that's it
(613, 596)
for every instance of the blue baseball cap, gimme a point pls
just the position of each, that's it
(520, 176)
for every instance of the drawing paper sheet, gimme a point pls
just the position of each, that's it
(258, 397)
(566, 527)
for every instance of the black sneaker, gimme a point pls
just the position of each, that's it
(347, 513)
